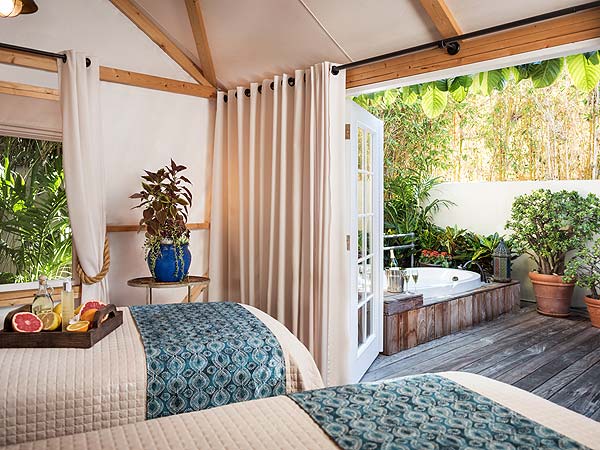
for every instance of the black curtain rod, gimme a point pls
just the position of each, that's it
(291, 82)
(34, 51)
(452, 45)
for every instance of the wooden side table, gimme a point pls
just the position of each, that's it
(150, 283)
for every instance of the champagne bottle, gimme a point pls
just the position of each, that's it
(393, 261)
(68, 304)
(42, 301)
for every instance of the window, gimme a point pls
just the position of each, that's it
(35, 233)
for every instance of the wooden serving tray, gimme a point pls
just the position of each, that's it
(61, 339)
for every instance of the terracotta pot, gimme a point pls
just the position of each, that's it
(552, 295)
(593, 306)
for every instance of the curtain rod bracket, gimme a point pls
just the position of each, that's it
(452, 47)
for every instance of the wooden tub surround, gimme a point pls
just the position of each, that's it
(408, 322)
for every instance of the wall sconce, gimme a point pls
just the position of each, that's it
(13, 8)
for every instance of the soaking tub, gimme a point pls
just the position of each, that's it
(439, 282)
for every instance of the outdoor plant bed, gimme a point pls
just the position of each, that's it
(546, 226)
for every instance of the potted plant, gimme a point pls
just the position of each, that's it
(584, 270)
(547, 225)
(165, 200)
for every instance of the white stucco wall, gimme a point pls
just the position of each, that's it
(142, 129)
(485, 207)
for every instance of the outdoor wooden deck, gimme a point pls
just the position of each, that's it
(557, 359)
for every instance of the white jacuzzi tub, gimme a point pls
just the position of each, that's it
(439, 282)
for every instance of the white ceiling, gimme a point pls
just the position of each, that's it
(254, 39)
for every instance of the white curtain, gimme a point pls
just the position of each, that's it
(83, 161)
(280, 208)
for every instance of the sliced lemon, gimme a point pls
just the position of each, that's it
(50, 320)
(78, 309)
(58, 309)
(81, 326)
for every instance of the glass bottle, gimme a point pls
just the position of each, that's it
(67, 302)
(393, 260)
(42, 302)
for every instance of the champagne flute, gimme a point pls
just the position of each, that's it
(415, 277)
(405, 278)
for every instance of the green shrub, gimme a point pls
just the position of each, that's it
(584, 269)
(547, 225)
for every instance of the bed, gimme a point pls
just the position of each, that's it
(446, 410)
(54, 392)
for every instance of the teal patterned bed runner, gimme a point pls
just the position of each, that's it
(201, 355)
(422, 412)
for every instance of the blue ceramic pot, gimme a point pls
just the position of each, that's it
(169, 268)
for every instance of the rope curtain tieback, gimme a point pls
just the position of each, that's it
(85, 278)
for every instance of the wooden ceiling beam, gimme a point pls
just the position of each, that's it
(442, 17)
(110, 75)
(28, 90)
(569, 29)
(144, 23)
(200, 38)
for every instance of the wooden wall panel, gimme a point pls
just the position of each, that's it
(406, 329)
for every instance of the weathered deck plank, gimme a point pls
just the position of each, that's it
(558, 359)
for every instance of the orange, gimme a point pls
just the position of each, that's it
(51, 321)
(81, 326)
(88, 315)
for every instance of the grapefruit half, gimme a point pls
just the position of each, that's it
(26, 322)
(92, 304)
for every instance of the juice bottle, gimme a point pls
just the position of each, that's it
(68, 304)
(42, 301)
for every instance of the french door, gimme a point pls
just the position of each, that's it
(365, 141)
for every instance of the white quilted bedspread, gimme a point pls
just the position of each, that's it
(55, 392)
(278, 423)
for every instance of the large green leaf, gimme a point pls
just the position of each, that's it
(459, 87)
(389, 97)
(584, 70)
(520, 72)
(434, 100)
(410, 95)
(545, 73)
(491, 80)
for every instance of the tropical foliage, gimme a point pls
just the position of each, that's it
(547, 225)
(35, 236)
(497, 126)
(584, 269)
(583, 69)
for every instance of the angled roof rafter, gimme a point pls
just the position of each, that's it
(147, 25)
(201, 40)
(442, 17)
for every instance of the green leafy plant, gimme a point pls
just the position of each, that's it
(35, 233)
(435, 258)
(165, 199)
(547, 225)
(584, 70)
(584, 269)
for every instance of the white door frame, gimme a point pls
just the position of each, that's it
(365, 345)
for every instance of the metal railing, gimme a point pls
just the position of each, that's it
(402, 246)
